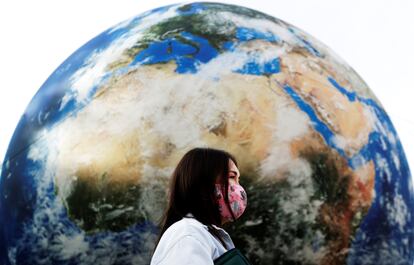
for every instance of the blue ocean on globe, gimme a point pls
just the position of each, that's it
(85, 176)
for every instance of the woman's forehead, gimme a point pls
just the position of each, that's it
(233, 167)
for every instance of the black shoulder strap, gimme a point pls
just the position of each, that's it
(232, 257)
(215, 234)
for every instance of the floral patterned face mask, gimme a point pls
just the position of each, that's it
(237, 201)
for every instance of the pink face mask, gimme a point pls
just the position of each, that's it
(237, 201)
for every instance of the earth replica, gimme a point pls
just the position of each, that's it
(84, 180)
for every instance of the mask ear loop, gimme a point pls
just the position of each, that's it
(226, 198)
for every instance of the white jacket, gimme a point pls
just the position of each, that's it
(188, 242)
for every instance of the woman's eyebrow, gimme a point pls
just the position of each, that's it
(233, 171)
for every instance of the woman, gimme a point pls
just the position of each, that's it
(204, 194)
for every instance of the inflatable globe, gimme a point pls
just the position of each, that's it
(85, 177)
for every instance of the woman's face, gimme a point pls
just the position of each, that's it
(233, 174)
(237, 199)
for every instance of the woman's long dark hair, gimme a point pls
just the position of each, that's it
(192, 188)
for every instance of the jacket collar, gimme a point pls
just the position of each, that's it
(191, 216)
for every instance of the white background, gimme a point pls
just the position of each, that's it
(376, 37)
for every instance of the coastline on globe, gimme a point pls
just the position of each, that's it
(86, 174)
